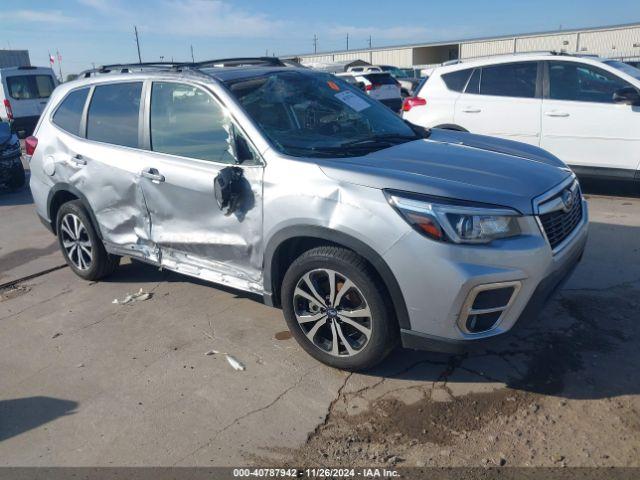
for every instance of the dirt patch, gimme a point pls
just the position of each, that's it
(13, 291)
(284, 335)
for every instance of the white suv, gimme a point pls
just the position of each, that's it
(585, 110)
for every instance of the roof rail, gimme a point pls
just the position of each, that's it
(128, 67)
(240, 62)
(179, 66)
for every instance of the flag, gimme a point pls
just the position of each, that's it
(51, 59)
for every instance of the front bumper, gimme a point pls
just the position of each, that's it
(438, 282)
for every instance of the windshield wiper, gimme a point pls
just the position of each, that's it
(384, 139)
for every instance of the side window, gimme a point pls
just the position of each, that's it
(113, 115)
(456, 80)
(69, 113)
(474, 82)
(186, 121)
(510, 80)
(582, 83)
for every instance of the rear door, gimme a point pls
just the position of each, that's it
(28, 90)
(191, 140)
(583, 126)
(105, 167)
(502, 100)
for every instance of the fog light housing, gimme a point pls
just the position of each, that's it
(485, 306)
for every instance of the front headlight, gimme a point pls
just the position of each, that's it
(455, 221)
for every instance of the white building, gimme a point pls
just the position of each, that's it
(618, 41)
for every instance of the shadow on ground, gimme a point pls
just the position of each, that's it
(20, 415)
(21, 196)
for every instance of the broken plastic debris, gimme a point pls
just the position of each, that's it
(235, 363)
(141, 296)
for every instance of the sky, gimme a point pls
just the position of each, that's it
(88, 32)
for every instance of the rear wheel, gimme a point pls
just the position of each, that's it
(82, 248)
(336, 309)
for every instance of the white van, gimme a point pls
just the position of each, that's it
(24, 92)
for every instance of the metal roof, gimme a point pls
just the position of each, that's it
(468, 40)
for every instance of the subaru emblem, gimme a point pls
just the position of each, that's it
(568, 199)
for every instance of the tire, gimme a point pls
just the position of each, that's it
(17, 178)
(82, 248)
(316, 327)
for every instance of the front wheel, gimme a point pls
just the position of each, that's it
(82, 248)
(337, 310)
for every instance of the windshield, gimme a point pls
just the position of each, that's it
(396, 72)
(624, 67)
(314, 114)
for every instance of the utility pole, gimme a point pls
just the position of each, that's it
(315, 43)
(193, 59)
(369, 41)
(347, 41)
(135, 29)
(59, 65)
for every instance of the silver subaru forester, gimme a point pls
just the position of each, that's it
(291, 184)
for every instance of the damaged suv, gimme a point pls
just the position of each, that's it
(292, 184)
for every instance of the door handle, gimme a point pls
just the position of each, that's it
(153, 175)
(471, 110)
(556, 113)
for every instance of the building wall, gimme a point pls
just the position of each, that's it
(558, 43)
(402, 58)
(14, 58)
(486, 48)
(612, 42)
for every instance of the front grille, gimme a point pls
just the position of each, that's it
(558, 225)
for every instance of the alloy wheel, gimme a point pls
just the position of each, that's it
(76, 241)
(332, 312)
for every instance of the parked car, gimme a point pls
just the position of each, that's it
(380, 86)
(24, 92)
(584, 110)
(364, 69)
(12, 174)
(408, 82)
(294, 185)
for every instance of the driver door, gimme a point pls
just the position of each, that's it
(192, 139)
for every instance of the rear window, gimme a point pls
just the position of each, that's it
(69, 113)
(381, 79)
(29, 87)
(510, 80)
(114, 114)
(456, 80)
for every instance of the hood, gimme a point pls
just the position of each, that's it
(5, 133)
(457, 165)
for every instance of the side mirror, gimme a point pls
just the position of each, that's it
(627, 96)
(243, 150)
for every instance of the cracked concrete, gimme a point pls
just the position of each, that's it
(85, 382)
